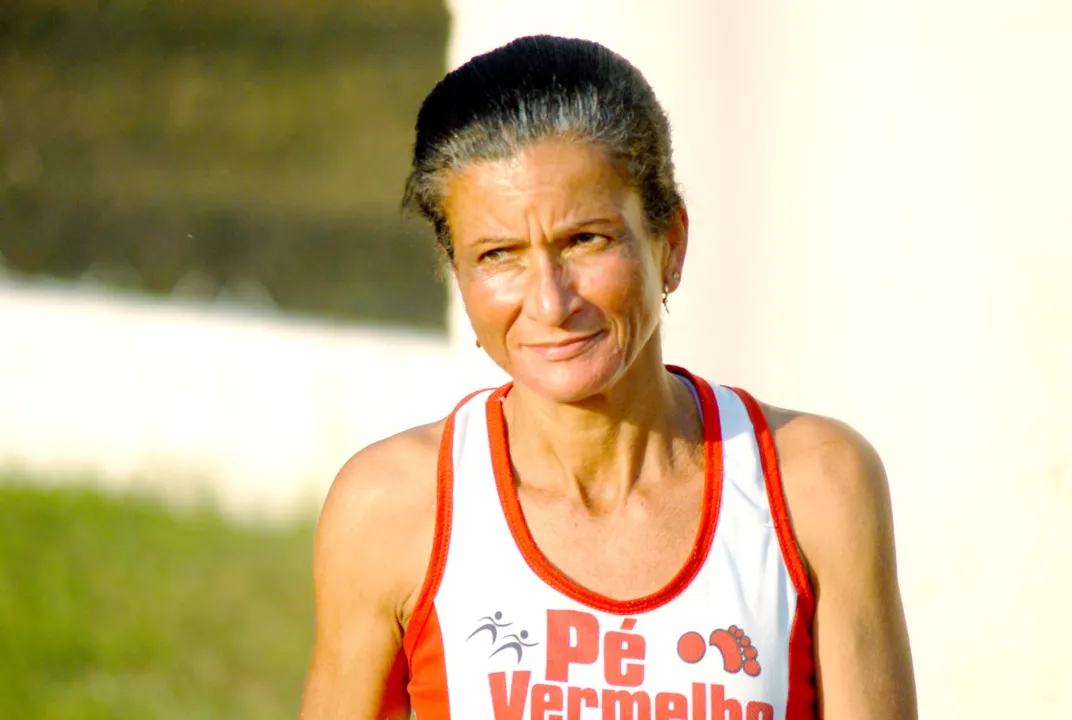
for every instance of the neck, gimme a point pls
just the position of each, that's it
(642, 430)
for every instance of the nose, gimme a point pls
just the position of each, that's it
(551, 298)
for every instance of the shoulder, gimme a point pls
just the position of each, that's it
(389, 475)
(839, 507)
(827, 455)
(836, 491)
(377, 523)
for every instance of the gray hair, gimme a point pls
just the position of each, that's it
(537, 88)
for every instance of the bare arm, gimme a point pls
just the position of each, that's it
(371, 550)
(839, 499)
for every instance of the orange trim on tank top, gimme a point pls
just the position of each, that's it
(538, 562)
(422, 607)
(801, 703)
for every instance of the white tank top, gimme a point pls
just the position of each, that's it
(499, 633)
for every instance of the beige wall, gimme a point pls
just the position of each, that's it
(881, 203)
(254, 409)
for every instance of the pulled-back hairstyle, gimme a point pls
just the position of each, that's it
(536, 88)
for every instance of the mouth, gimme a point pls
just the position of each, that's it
(566, 349)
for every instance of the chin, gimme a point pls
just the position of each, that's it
(570, 381)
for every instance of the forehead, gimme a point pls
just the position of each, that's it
(552, 182)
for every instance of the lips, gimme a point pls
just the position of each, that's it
(566, 349)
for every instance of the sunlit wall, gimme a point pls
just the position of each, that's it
(881, 213)
(256, 410)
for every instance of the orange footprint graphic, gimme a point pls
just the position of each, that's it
(691, 647)
(737, 650)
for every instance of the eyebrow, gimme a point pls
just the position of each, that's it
(572, 228)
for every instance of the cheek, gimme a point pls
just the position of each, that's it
(620, 287)
(490, 302)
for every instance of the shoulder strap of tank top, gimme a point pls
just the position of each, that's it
(441, 538)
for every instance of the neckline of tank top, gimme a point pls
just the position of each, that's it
(505, 483)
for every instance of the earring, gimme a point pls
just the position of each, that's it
(478, 343)
(666, 291)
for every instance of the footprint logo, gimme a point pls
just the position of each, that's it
(738, 652)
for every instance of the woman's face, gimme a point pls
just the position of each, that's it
(560, 278)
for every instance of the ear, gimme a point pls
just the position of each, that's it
(677, 243)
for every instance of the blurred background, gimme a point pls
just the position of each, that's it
(200, 234)
(209, 299)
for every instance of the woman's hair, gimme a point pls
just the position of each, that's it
(536, 88)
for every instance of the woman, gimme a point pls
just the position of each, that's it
(605, 537)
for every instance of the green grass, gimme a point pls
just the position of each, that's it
(119, 607)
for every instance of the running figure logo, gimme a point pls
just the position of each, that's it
(492, 624)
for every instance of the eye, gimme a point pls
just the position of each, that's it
(493, 255)
(589, 241)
